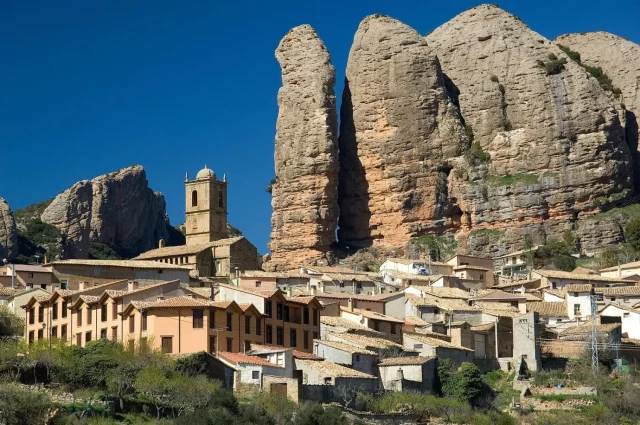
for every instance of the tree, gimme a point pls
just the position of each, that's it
(10, 324)
(464, 384)
(154, 383)
(22, 407)
(632, 233)
(437, 248)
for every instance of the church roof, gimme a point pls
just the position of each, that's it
(172, 251)
(205, 173)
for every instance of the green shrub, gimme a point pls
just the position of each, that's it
(555, 66)
(22, 407)
(511, 180)
(494, 79)
(573, 55)
(552, 57)
(632, 233)
(475, 155)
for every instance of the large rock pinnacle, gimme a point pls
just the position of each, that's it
(305, 209)
(399, 128)
(8, 235)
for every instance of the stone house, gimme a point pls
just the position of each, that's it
(518, 285)
(390, 327)
(434, 309)
(408, 374)
(484, 341)
(578, 298)
(428, 346)
(556, 279)
(352, 356)
(337, 324)
(318, 372)
(261, 280)
(376, 344)
(68, 274)
(416, 267)
(621, 271)
(289, 321)
(628, 317)
(251, 370)
(554, 314)
(391, 304)
(516, 300)
(27, 276)
(627, 296)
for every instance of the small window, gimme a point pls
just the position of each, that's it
(103, 312)
(279, 335)
(54, 332)
(64, 309)
(198, 319)
(559, 320)
(194, 198)
(30, 275)
(167, 344)
(87, 337)
(220, 199)
(626, 315)
(305, 342)
(247, 325)
(625, 300)
(255, 374)
(293, 338)
(258, 284)
(43, 285)
(40, 333)
(327, 380)
(103, 333)
(63, 332)
(212, 319)
(417, 346)
(31, 337)
(89, 317)
(268, 334)
(613, 298)
(64, 284)
(55, 311)
(229, 344)
(258, 326)
(144, 320)
(229, 321)
(342, 284)
(356, 357)
(393, 328)
(132, 324)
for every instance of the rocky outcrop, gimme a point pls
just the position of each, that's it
(399, 133)
(304, 191)
(8, 235)
(619, 58)
(117, 209)
(556, 144)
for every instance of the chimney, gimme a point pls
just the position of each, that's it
(400, 375)
(522, 290)
(46, 260)
(350, 304)
(289, 291)
(321, 286)
(81, 285)
(314, 290)
(161, 243)
(132, 285)
(160, 298)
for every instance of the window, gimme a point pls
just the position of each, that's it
(212, 344)
(342, 284)
(41, 314)
(31, 337)
(247, 346)
(575, 294)
(305, 316)
(279, 335)
(417, 346)
(393, 328)
(258, 326)
(285, 310)
(554, 285)
(79, 318)
(357, 357)
(625, 315)
(293, 338)
(144, 320)
(30, 275)
(103, 312)
(167, 344)
(229, 321)
(87, 337)
(268, 334)
(103, 333)
(613, 298)
(376, 325)
(43, 285)
(559, 320)
(114, 333)
(247, 325)
(32, 313)
(64, 309)
(54, 332)
(278, 311)
(54, 312)
(89, 315)
(305, 341)
(436, 311)
(78, 339)
(258, 284)
(255, 374)
(316, 335)
(625, 300)
(315, 316)
(131, 345)
(194, 198)
(64, 284)
(220, 201)
(229, 344)
(132, 324)
(29, 285)
(114, 311)
(198, 319)
(576, 310)
(268, 309)
(40, 334)
(212, 320)
(63, 332)
(327, 381)
(358, 285)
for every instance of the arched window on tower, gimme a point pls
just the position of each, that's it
(194, 198)
(220, 203)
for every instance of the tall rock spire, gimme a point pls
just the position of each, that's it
(304, 191)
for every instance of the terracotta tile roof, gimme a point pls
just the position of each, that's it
(132, 264)
(470, 267)
(240, 358)
(301, 355)
(434, 342)
(172, 251)
(584, 270)
(334, 370)
(29, 268)
(7, 291)
(203, 292)
(89, 299)
(348, 277)
(145, 288)
(276, 275)
(405, 361)
(342, 323)
(578, 287)
(65, 292)
(619, 290)
(515, 283)
(179, 302)
(585, 329)
(548, 308)
(497, 309)
(577, 276)
(442, 303)
(264, 293)
(331, 269)
(407, 261)
(345, 296)
(365, 341)
(632, 265)
(500, 295)
(301, 299)
(447, 292)
(372, 315)
(416, 321)
(557, 292)
(418, 277)
(345, 347)
(42, 298)
(483, 328)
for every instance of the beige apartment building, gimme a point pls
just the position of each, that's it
(26, 276)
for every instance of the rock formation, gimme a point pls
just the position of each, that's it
(117, 209)
(620, 60)
(399, 130)
(557, 147)
(305, 209)
(8, 235)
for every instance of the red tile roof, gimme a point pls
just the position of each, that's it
(239, 358)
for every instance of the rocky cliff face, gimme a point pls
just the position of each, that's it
(556, 143)
(620, 60)
(8, 235)
(399, 132)
(305, 209)
(117, 209)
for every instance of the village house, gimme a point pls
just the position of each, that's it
(518, 285)
(515, 264)
(555, 279)
(621, 271)
(624, 295)
(289, 321)
(628, 317)
(516, 300)
(352, 356)
(261, 280)
(416, 267)
(404, 280)
(390, 327)
(554, 314)
(337, 324)
(316, 372)
(428, 346)
(26, 276)
(408, 374)
(251, 369)
(376, 344)
(391, 304)
(18, 298)
(477, 271)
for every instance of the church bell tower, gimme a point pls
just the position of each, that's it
(206, 210)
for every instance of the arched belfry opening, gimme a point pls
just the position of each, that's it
(194, 198)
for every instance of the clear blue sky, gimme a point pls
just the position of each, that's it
(88, 87)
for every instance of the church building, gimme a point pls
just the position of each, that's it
(208, 250)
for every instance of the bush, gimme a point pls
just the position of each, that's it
(632, 233)
(193, 364)
(22, 407)
(475, 155)
(494, 79)
(464, 384)
(574, 56)
(10, 324)
(555, 66)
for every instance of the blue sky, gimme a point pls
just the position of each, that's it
(87, 87)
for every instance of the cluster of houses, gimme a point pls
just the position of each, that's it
(316, 332)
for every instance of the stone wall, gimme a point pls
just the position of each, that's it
(293, 390)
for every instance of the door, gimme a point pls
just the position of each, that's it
(279, 389)
(480, 346)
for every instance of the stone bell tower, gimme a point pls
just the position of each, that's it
(206, 209)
